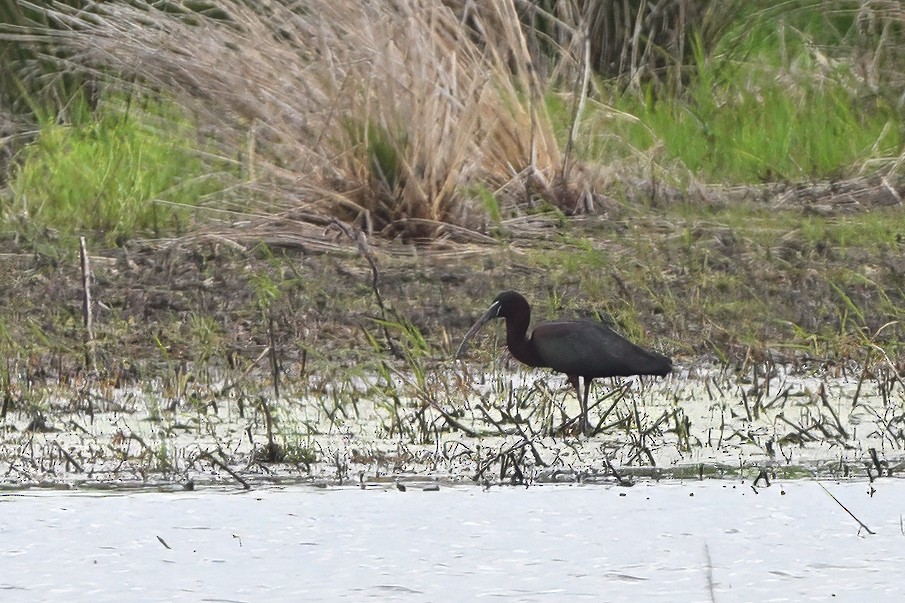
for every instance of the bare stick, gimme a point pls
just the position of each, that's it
(709, 572)
(268, 424)
(619, 394)
(641, 432)
(7, 396)
(452, 422)
(877, 464)
(802, 432)
(620, 479)
(69, 459)
(274, 362)
(482, 467)
(860, 523)
(826, 403)
(207, 455)
(361, 241)
(86, 305)
(861, 380)
(229, 386)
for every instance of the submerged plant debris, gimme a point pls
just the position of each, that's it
(460, 424)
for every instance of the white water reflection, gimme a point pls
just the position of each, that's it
(651, 542)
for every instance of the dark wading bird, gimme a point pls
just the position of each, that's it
(578, 348)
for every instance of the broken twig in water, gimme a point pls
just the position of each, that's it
(69, 459)
(839, 427)
(860, 523)
(207, 455)
(709, 572)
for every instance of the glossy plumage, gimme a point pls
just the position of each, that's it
(578, 348)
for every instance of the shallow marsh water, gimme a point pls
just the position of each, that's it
(703, 420)
(706, 540)
(86, 538)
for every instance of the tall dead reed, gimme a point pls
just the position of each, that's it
(386, 114)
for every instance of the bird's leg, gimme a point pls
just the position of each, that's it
(575, 381)
(584, 407)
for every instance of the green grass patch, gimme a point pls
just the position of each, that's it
(118, 175)
(767, 134)
(873, 230)
(764, 103)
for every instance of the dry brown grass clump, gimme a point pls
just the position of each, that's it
(389, 114)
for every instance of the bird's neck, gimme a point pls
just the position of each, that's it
(520, 345)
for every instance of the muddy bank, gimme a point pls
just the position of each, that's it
(691, 287)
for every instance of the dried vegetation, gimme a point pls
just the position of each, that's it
(384, 115)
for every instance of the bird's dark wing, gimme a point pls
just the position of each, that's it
(591, 349)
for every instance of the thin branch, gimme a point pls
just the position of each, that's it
(361, 241)
(829, 407)
(274, 360)
(90, 361)
(860, 523)
(207, 455)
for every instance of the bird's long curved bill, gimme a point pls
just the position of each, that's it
(490, 314)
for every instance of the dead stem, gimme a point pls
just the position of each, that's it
(210, 457)
(861, 381)
(823, 399)
(877, 464)
(485, 465)
(860, 523)
(87, 315)
(709, 573)
(361, 241)
(69, 459)
(802, 432)
(274, 361)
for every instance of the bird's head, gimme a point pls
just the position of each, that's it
(508, 304)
